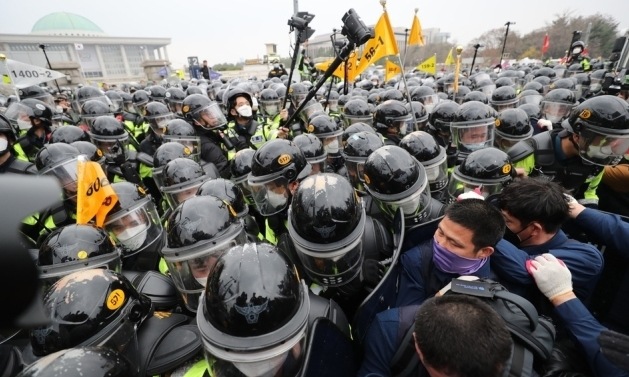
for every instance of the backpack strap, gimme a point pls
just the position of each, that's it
(405, 360)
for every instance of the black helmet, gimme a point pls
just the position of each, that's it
(473, 127)
(355, 128)
(530, 96)
(19, 117)
(117, 102)
(313, 149)
(276, 164)
(76, 248)
(297, 93)
(332, 101)
(426, 95)
(88, 93)
(357, 148)
(269, 102)
(180, 131)
(174, 99)
(38, 93)
(532, 111)
(91, 151)
(504, 81)
(545, 72)
(7, 130)
(534, 85)
(197, 90)
(487, 171)
(486, 86)
(392, 94)
(281, 91)
(421, 116)
(326, 129)
(95, 307)
(39, 110)
(512, 125)
(429, 153)
(182, 178)
(442, 115)
(326, 224)
(563, 84)
(476, 96)
(577, 48)
(79, 362)
(544, 81)
(165, 154)
(503, 97)
(232, 94)
(265, 308)
(373, 98)
(133, 222)
(392, 113)
(157, 93)
(560, 70)
(356, 110)
(93, 109)
(127, 102)
(140, 99)
(459, 96)
(60, 161)
(227, 191)
(203, 112)
(110, 136)
(68, 134)
(557, 104)
(198, 232)
(158, 115)
(602, 124)
(397, 180)
(240, 168)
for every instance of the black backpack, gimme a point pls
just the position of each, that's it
(533, 336)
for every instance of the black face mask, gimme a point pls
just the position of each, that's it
(514, 237)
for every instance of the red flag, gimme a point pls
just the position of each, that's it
(545, 44)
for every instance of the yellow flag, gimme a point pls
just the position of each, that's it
(392, 69)
(449, 59)
(416, 38)
(323, 66)
(429, 65)
(95, 196)
(382, 44)
(351, 68)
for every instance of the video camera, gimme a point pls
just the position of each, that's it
(355, 29)
(613, 83)
(300, 21)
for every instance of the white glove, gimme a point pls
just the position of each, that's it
(474, 194)
(545, 123)
(551, 275)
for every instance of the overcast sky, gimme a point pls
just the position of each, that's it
(233, 30)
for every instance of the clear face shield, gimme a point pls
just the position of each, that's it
(175, 107)
(129, 107)
(505, 141)
(459, 185)
(297, 99)
(413, 205)
(488, 90)
(333, 106)
(311, 107)
(285, 359)
(348, 120)
(555, 111)
(601, 148)
(270, 108)
(140, 108)
(270, 197)
(242, 183)
(193, 143)
(114, 148)
(335, 268)
(158, 124)
(66, 173)
(190, 266)
(317, 163)
(48, 275)
(177, 194)
(429, 102)
(532, 99)
(437, 172)
(472, 136)
(503, 105)
(333, 145)
(210, 117)
(356, 170)
(135, 229)
(20, 116)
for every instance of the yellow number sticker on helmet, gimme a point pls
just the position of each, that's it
(310, 128)
(99, 153)
(284, 159)
(366, 178)
(506, 169)
(115, 299)
(186, 151)
(585, 114)
(82, 254)
(497, 122)
(185, 109)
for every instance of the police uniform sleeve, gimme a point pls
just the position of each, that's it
(380, 344)
(605, 226)
(211, 152)
(586, 330)
(589, 195)
(411, 287)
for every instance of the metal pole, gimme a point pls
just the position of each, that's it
(43, 48)
(504, 43)
(405, 44)
(476, 47)
(457, 70)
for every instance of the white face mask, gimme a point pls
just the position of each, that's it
(4, 143)
(254, 105)
(271, 110)
(432, 174)
(275, 200)
(429, 108)
(24, 124)
(474, 146)
(332, 147)
(266, 368)
(133, 238)
(411, 206)
(600, 152)
(245, 111)
(201, 281)
(403, 129)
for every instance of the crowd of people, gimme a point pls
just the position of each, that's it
(265, 228)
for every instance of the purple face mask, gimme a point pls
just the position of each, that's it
(449, 262)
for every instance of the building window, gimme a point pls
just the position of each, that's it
(112, 58)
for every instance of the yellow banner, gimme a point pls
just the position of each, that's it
(416, 38)
(95, 196)
(340, 71)
(449, 59)
(392, 69)
(429, 65)
(382, 44)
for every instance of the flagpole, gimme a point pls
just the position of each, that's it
(457, 69)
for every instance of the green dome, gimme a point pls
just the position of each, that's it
(63, 23)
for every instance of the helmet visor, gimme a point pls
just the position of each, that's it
(66, 173)
(48, 275)
(20, 116)
(158, 124)
(270, 197)
(178, 194)
(534, 99)
(133, 230)
(312, 107)
(332, 269)
(242, 183)
(437, 172)
(488, 90)
(505, 141)
(356, 172)
(412, 205)
(472, 136)
(210, 117)
(284, 359)
(114, 148)
(429, 100)
(351, 119)
(333, 145)
(270, 108)
(193, 143)
(459, 185)
(555, 111)
(600, 149)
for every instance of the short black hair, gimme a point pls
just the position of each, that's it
(484, 220)
(463, 336)
(539, 200)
